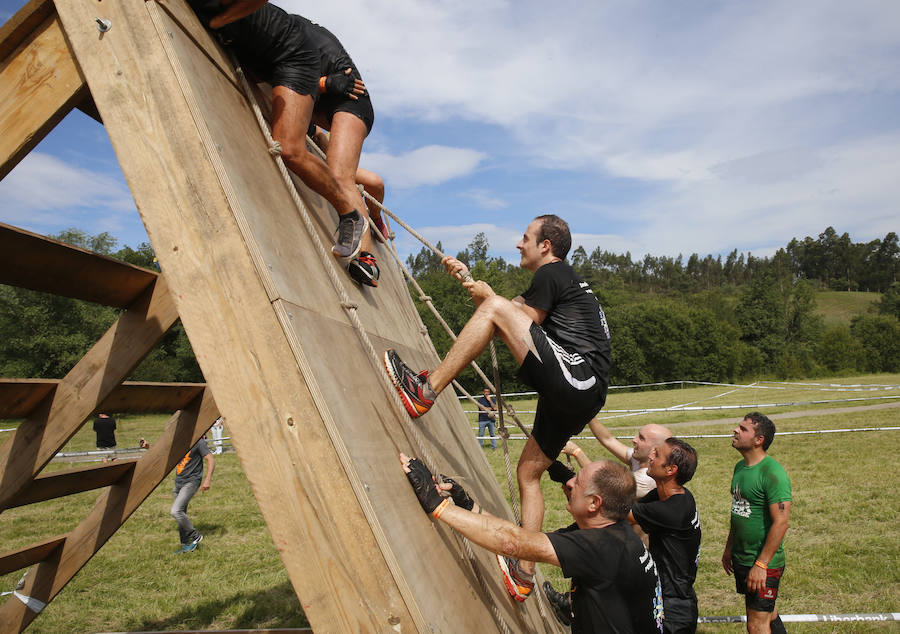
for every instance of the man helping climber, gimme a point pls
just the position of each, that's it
(615, 587)
(557, 332)
(300, 59)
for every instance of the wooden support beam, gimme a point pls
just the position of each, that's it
(33, 261)
(38, 69)
(20, 397)
(59, 483)
(88, 384)
(113, 507)
(29, 555)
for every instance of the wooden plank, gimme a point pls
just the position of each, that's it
(78, 480)
(39, 72)
(32, 261)
(19, 397)
(29, 555)
(87, 385)
(113, 507)
(23, 23)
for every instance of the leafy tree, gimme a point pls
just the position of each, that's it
(889, 304)
(879, 336)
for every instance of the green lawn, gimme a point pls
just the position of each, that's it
(839, 307)
(843, 547)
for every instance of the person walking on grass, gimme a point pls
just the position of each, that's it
(760, 510)
(189, 479)
(558, 334)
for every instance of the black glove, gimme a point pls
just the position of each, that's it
(339, 83)
(423, 484)
(560, 472)
(459, 495)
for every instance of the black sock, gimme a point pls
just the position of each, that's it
(777, 626)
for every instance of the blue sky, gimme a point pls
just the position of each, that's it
(652, 127)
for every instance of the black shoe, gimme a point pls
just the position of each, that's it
(364, 269)
(560, 602)
(351, 228)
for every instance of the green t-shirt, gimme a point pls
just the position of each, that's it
(753, 489)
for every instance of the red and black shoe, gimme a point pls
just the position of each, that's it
(364, 269)
(518, 583)
(414, 389)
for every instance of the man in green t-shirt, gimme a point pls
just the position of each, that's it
(760, 508)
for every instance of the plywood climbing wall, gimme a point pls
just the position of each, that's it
(313, 420)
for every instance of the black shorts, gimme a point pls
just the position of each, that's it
(570, 395)
(755, 601)
(335, 59)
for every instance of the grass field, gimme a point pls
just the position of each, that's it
(839, 307)
(843, 547)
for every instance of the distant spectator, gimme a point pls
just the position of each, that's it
(105, 429)
(218, 430)
(486, 418)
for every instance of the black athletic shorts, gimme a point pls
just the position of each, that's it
(755, 601)
(335, 59)
(570, 395)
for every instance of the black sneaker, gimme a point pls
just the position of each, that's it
(364, 269)
(560, 602)
(411, 386)
(351, 228)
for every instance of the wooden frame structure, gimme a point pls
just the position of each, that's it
(291, 361)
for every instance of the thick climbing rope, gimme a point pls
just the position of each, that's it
(351, 309)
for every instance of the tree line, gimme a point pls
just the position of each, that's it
(709, 320)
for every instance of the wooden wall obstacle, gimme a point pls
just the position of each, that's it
(311, 415)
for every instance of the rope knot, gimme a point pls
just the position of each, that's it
(423, 330)
(425, 298)
(350, 305)
(275, 148)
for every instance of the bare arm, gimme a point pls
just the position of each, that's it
(500, 536)
(726, 555)
(535, 314)
(571, 449)
(210, 466)
(236, 10)
(612, 444)
(780, 512)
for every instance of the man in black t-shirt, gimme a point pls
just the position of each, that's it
(669, 516)
(615, 587)
(557, 332)
(105, 429)
(302, 59)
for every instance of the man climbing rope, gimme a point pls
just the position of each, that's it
(301, 59)
(557, 332)
(615, 587)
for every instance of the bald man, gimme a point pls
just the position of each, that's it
(636, 457)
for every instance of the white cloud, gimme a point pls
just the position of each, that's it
(484, 199)
(429, 165)
(45, 194)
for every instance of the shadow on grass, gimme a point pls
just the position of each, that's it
(272, 608)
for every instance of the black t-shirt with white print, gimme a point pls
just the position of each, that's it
(575, 319)
(615, 587)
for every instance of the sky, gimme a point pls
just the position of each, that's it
(652, 127)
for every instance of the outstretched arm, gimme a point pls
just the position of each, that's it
(612, 444)
(493, 533)
(236, 10)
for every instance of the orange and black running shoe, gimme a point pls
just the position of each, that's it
(414, 390)
(518, 583)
